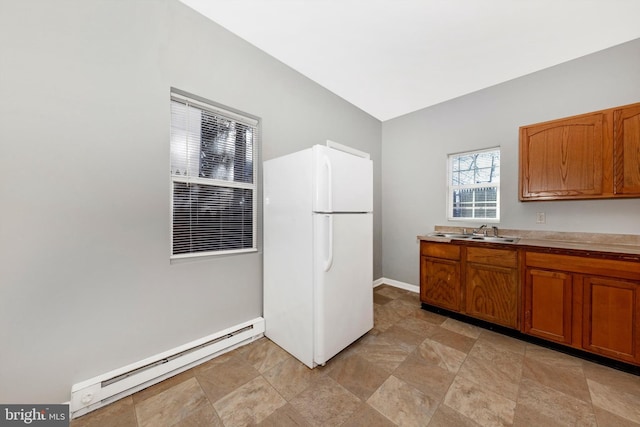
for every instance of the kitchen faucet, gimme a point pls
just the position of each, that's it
(479, 230)
(483, 230)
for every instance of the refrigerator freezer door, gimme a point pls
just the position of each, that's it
(343, 278)
(343, 181)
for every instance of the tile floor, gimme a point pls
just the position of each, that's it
(415, 368)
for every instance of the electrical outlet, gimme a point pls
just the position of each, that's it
(541, 218)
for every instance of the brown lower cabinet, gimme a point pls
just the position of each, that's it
(610, 318)
(491, 285)
(588, 303)
(477, 281)
(579, 299)
(440, 273)
(548, 305)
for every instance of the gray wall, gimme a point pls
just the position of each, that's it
(415, 148)
(86, 282)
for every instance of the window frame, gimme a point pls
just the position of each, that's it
(451, 187)
(254, 187)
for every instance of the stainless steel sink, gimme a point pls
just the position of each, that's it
(477, 238)
(500, 239)
(451, 235)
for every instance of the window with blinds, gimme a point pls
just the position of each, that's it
(474, 185)
(213, 179)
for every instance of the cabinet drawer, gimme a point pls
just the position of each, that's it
(440, 250)
(585, 265)
(497, 257)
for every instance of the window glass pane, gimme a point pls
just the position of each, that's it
(468, 171)
(207, 145)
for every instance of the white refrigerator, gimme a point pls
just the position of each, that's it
(318, 250)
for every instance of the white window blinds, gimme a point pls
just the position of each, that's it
(213, 179)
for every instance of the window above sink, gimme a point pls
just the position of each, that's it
(473, 182)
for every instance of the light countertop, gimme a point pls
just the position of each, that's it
(592, 242)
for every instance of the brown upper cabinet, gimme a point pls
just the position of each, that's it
(590, 156)
(626, 145)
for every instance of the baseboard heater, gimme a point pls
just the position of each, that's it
(99, 391)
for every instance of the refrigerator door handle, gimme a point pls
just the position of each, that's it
(329, 261)
(327, 164)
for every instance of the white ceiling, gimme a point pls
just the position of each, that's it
(392, 57)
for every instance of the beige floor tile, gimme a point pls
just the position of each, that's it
(607, 419)
(389, 291)
(605, 375)
(358, 375)
(612, 399)
(368, 417)
(285, 416)
(384, 316)
(291, 377)
(435, 318)
(479, 404)
(448, 417)
(327, 403)
(353, 348)
(500, 378)
(403, 307)
(430, 379)
(422, 328)
(220, 379)
(265, 354)
(539, 405)
(250, 404)
(173, 405)
(202, 417)
(551, 357)
(381, 299)
(495, 353)
(403, 404)
(403, 336)
(453, 339)
(499, 342)
(385, 352)
(438, 354)
(412, 297)
(117, 414)
(565, 377)
(462, 328)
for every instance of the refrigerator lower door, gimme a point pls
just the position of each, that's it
(343, 281)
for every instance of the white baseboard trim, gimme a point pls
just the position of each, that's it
(396, 284)
(99, 391)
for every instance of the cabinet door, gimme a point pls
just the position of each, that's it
(563, 159)
(492, 288)
(440, 282)
(610, 318)
(626, 142)
(492, 294)
(548, 305)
